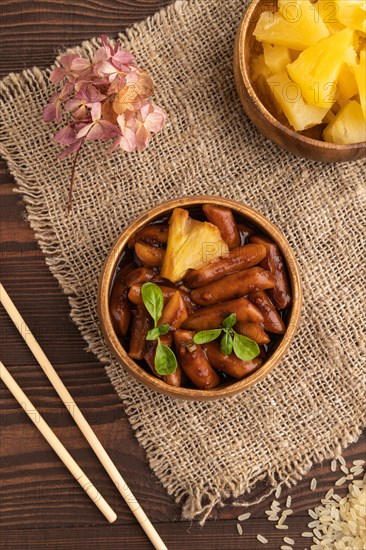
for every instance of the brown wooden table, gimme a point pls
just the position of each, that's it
(42, 507)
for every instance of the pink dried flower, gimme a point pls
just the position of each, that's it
(107, 98)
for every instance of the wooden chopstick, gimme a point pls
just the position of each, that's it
(80, 420)
(56, 444)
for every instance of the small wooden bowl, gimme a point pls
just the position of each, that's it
(107, 276)
(263, 114)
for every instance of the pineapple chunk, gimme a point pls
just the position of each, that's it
(347, 85)
(299, 114)
(327, 10)
(360, 76)
(259, 69)
(352, 13)
(296, 32)
(276, 57)
(317, 69)
(260, 72)
(191, 244)
(349, 125)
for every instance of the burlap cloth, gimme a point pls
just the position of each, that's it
(314, 403)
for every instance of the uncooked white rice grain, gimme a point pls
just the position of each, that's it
(340, 481)
(287, 512)
(307, 534)
(245, 516)
(350, 476)
(262, 539)
(333, 465)
(288, 501)
(318, 534)
(345, 469)
(357, 470)
(281, 526)
(313, 524)
(278, 491)
(289, 541)
(358, 462)
(329, 494)
(312, 514)
(239, 528)
(341, 460)
(286, 548)
(313, 484)
(282, 519)
(273, 518)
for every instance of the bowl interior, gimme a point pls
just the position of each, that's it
(121, 254)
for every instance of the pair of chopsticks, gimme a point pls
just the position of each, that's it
(80, 420)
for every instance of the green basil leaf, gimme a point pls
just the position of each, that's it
(153, 334)
(245, 348)
(153, 299)
(165, 360)
(226, 345)
(206, 336)
(230, 321)
(163, 329)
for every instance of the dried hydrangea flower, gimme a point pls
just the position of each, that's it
(106, 98)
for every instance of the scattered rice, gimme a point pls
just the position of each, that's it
(286, 548)
(278, 491)
(358, 462)
(340, 481)
(312, 514)
(341, 460)
(273, 518)
(333, 465)
(313, 524)
(288, 502)
(281, 526)
(356, 470)
(307, 534)
(275, 504)
(329, 494)
(350, 476)
(282, 519)
(341, 522)
(262, 539)
(239, 528)
(345, 469)
(287, 512)
(313, 484)
(289, 541)
(245, 516)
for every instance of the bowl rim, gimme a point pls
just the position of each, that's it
(108, 271)
(245, 71)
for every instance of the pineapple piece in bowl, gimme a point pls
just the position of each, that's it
(191, 244)
(349, 125)
(287, 93)
(294, 26)
(317, 69)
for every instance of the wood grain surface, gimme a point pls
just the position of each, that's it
(41, 505)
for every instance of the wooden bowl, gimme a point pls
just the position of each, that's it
(107, 276)
(262, 112)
